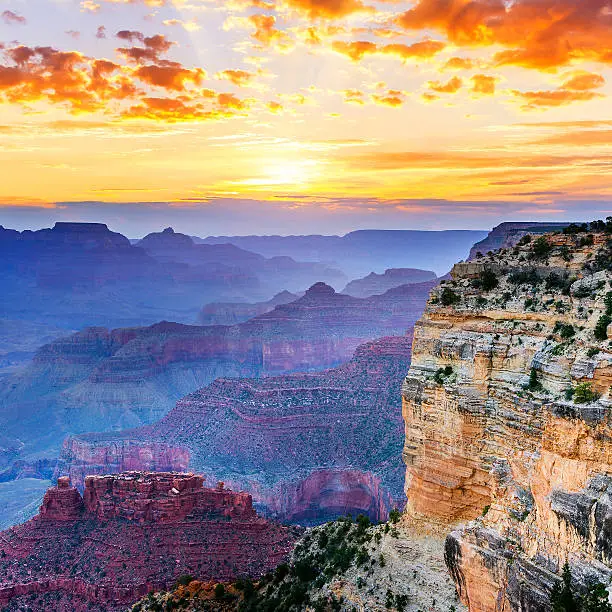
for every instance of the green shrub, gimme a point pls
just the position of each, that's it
(395, 515)
(219, 591)
(584, 394)
(541, 248)
(448, 297)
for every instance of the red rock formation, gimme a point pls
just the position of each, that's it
(307, 446)
(129, 534)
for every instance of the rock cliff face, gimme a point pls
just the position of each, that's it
(100, 379)
(131, 533)
(307, 446)
(507, 405)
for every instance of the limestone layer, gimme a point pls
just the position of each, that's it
(506, 406)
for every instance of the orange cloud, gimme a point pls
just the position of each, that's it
(358, 49)
(458, 63)
(266, 32)
(169, 77)
(541, 34)
(451, 86)
(584, 81)
(557, 97)
(354, 96)
(392, 98)
(330, 9)
(483, 84)
(578, 88)
(237, 77)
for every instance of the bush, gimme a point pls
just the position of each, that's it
(565, 330)
(584, 394)
(524, 277)
(448, 297)
(395, 515)
(488, 280)
(219, 591)
(534, 383)
(183, 580)
(541, 248)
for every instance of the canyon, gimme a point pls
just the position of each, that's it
(307, 446)
(506, 405)
(129, 534)
(100, 379)
(76, 275)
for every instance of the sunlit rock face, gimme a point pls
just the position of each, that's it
(307, 446)
(493, 436)
(131, 533)
(100, 379)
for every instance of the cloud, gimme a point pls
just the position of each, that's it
(458, 63)
(392, 98)
(172, 78)
(266, 32)
(483, 84)
(577, 88)
(452, 86)
(540, 34)
(330, 9)
(11, 18)
(101, 32)
(237, 77)
(356, 50)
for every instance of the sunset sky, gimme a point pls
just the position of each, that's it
(293, 115)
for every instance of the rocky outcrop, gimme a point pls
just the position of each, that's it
(507, 405)
(375, 284)
(101, 379)
(131, 533)
(307, 446)
(506, 235)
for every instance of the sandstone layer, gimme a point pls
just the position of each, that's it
(307, 446)
(507, 405)
(131, 533)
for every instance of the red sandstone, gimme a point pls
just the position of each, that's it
(131, 533)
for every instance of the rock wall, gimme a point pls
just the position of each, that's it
(129, 534)
(307, 446)
(506, 406)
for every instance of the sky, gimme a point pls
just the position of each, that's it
(302, 116)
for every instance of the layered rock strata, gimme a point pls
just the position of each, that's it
(307, 446)
(131, 533)
(100, 379)
(507, 405)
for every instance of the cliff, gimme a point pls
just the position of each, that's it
(506, 406)
(307, 446)
(128, 534)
